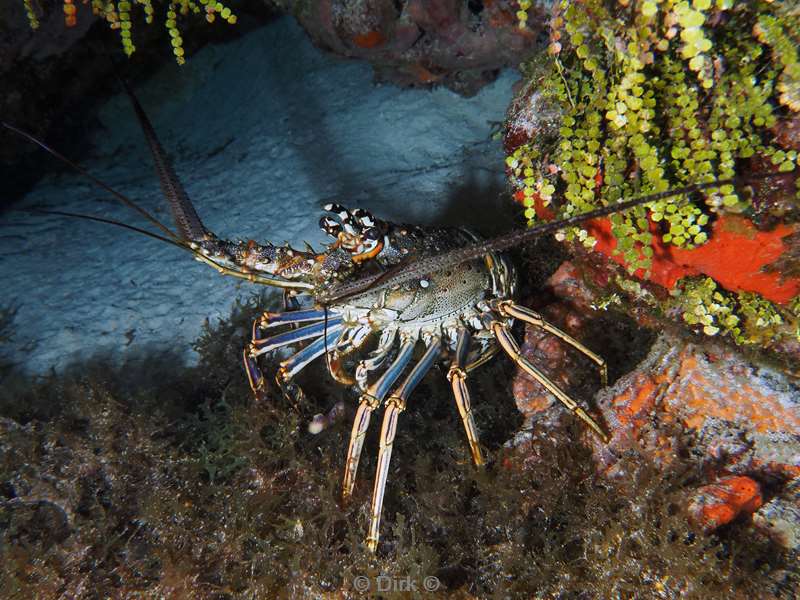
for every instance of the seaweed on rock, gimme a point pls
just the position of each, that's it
(165, 481)
(119, 15)
(639, 97)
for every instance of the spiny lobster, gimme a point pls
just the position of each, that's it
(378, 292)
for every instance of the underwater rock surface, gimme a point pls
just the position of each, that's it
(259, 155)
(679, 401)
(461, 45)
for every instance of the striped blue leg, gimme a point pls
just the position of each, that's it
(272, 319)
(369, 401)
(254, 375)
(290, 302)
(353, 338)
(260, 344)
(457, 376)
(297, 362)
(376, 358)
(394, 406)
(292, 336)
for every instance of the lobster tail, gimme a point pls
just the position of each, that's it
(189, 225)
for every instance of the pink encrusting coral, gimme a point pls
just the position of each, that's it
(721, 502)
(735, 256)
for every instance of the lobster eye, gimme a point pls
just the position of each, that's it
(372, 233)
(329, 226)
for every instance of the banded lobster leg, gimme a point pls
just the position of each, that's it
(510, 310)
(297, 362)
(376, 358)
(509, 344)
(353, 338)
(394, 406)
(273, 319)
(457, 376)
(369, 401)
(260, 344)
(290, 302)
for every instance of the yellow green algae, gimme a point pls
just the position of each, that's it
(658, 100)
(120, 16)
(658, 94)
(745, 317)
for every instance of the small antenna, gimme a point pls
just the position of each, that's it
(119, 196)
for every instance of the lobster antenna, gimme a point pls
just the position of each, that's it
(188, 222)
(119, 196)
(405, 272)
(173, 240)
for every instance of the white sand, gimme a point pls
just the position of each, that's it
(263, 131)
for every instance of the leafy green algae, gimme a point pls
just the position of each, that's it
(120, 15)
(657, 95)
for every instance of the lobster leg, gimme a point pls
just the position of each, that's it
(292, 336)
(376, 358)
(272, 319)
(509, 309)
(254, 375)
(366, 405)
(508, 344)
(369, 401)
(297, 362)
(290, 302)
(394, 406)
(457, 376)
(260, 345)
(352, 340)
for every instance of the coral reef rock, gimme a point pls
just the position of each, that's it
(704, 404)
(461, 45)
